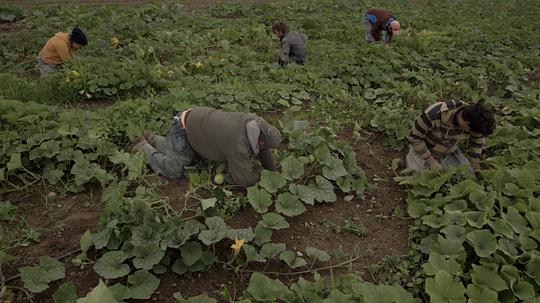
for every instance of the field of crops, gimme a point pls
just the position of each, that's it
(84, 220)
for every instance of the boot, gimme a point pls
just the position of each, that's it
(138, 144)
(150, 137)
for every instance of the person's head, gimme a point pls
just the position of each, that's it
(394, 27)
(477, 118)
(280, 29)
(270, 136)
(77, 38)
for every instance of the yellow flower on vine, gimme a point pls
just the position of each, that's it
(199, 65)
(114, 41)
(238, 245)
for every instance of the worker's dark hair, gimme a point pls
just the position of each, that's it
(280, 27)
(481, 119)
(78, 36)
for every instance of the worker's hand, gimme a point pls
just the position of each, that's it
(433, 164)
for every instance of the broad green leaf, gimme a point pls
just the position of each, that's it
(246, 234)
(262, 288)
(54, 268)
(333, 169)
(325, 190)
(318, 254)
(66, 293)
(86, 241)
(208, 203)
(215, 223)
(271, 250)
(259, 199)
(337, 296)
(121, 292)
(485, 277)
(5, 258)
(191, 252)
(483, 242)
(262, 234)
(479, 294)
(534, 219)
(291, 259)
(14, 162)
(252, 255)
(305, 193)
(436, 221)
(274, 221)
(111, 266)
(437, 262)
(516, 220)
(35, 278)
(272, 181)
(454, 232)
(292, 168)
(142, 285)
(476, 218)
(523, 290)
(148, 255)
(382, 293)
(289, 205)
(500, 226)
(179, 267)
(443, 288)
(100, 294)
(533, 270)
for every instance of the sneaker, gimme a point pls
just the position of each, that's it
(138, 144)
(150, 137)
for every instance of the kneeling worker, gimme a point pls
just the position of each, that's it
(59, 49)
(293, 45)
(436, 131)
(232, 137)
(377, 20)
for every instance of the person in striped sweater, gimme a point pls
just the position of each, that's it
(436, 131)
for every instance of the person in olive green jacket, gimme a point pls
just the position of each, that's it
(59, 48)
(233, 137)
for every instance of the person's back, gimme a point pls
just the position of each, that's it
(57, 49)
(297, 51)
(216, 134)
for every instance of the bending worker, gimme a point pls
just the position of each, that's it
(59, 49)
(232, 137)
(377, 20)
(293, 45)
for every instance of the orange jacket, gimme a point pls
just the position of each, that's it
(57, 49)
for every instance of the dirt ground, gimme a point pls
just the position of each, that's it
(63, 220)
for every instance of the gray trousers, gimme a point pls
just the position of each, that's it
(45, 68)
(367, 27)
(454, 159)
(170, 154)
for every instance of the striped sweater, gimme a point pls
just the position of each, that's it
(436, 132)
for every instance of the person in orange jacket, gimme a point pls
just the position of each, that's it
(59, 48)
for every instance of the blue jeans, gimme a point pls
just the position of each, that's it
(170, 154)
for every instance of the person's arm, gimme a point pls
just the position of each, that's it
(63, 51)
(388, 38)
(242, 169)
(283, 52)
(421, 128)
(476, 144)
(267, 160)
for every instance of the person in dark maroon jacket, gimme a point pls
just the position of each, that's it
(377, 20)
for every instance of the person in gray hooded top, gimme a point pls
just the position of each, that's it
(293, 45)
(233, 137)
